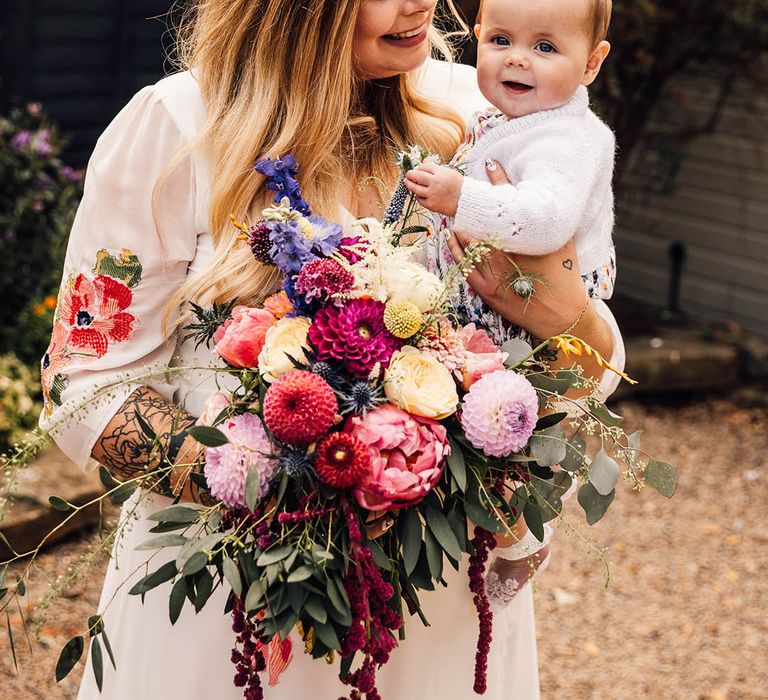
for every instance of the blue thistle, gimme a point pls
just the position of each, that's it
(361, 396)
(296, 463)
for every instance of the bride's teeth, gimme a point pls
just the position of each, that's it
(407, 35)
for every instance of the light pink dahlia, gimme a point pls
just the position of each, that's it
(323, 278)
(500, 412)
(227, 467)
(354, 334)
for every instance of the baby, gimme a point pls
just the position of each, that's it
(535, 59)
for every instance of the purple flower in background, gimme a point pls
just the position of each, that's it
(290, 248)
(21, 140)
(281, 179)
(34, 109)
(70, 174)
(41, 144)
(9, 234)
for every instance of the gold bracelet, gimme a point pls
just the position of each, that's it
(570, 328)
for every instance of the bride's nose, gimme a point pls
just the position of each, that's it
(411, 7)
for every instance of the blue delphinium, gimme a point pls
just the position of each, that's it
(281, 179)
(327, 236)
(291, 249)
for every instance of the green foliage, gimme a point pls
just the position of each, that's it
(38, 198)
(19, 400)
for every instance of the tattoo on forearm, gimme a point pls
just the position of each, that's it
(568, 264)
(127, 451)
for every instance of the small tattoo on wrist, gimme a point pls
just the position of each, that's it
(568, 264)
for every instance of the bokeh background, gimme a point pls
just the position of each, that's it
(686, 91)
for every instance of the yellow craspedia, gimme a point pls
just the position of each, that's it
(307, 229)
(402, 318)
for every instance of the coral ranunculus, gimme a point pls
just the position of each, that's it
(240, 340)
(407, 457)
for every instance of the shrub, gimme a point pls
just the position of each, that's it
(38, 198)
(19, 400)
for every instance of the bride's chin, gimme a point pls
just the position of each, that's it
(396, 69)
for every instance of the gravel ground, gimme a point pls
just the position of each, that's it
(681, 618)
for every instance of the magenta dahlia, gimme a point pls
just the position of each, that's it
(323, 278)
(342, 461)
(354, 334)
(300, 407)
(500, 412)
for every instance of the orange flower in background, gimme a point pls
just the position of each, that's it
(50, 302)
(39, 309)
(278, 305)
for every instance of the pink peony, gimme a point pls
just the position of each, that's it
(407, 457)
(500, 412)
(240, 340)
(227, 467)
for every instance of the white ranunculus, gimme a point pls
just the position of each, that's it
(411, 281)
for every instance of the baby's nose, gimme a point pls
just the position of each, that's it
(517, 59)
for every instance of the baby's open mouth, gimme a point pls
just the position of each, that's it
(517, 87)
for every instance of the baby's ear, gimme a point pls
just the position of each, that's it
(477, 31)
(595, 62)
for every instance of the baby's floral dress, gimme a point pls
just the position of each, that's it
(466, 305)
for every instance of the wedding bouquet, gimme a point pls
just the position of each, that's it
(368, 442)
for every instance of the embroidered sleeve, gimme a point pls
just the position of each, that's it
(123, 263)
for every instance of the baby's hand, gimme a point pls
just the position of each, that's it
(436, 187)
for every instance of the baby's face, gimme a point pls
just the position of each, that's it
(533, 54)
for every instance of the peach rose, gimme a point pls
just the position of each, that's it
(240, 340)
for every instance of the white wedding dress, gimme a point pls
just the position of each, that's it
(191, 660)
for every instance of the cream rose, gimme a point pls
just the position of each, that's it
(287, 337)
(411, 281)
(419, 384)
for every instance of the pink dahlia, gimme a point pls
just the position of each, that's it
(354, 334)
(323, 278)
(500, 412)
(227, 467)
(407, 457)
(300, 407)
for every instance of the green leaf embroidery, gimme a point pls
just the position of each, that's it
(125, 266)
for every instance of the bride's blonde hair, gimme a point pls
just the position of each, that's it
(277, 77)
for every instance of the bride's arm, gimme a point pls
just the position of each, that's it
(126, 450)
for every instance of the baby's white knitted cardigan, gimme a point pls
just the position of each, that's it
(560, 162)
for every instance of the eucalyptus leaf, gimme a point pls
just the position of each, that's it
(97, 661)
(176, 514)
(274, 555)
(69, 656)
(633, 441)
(434, 555)
(550, 420)
(662, 477)
(594, 504)
(108, 481)
(123, 493)
(193, 548)
(604, 473)
(603, 413)
(163, 541)
(457, 465)
(327, 635)
(552, 385)
(254, 596)
(176, 600)
(301, 574)
(316, 609)
(210, 437)
(480, 516)
(441, 529)
(575, 452)
(95, 626)
(411, 537)
(517, 351)
(252, 488)
(232, 574)
(146, 428)
(203, 589)
(379, 556)
(195, 563)
(548, 447)
(165, 573)
(534, 519)
(108, 647)
(60, 504)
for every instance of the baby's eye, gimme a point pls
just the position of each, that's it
(545, 47)
(500, 41)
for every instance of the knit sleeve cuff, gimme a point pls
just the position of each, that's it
(480, 210)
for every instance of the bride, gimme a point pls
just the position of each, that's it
(342, 85)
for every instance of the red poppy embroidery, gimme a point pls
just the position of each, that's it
(94, 311)
(91, 316)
